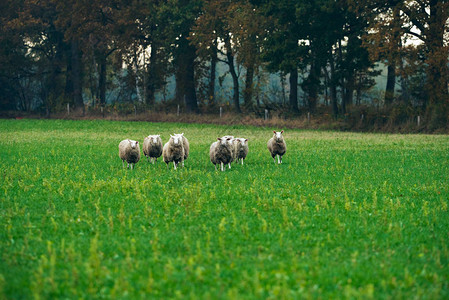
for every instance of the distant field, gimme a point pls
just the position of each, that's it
(346, 215)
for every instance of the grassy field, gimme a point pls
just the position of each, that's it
(346, 215)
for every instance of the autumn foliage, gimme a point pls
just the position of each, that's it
(326, 56)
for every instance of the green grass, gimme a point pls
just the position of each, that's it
(346, 215)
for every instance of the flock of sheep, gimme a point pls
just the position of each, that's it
(224, 151)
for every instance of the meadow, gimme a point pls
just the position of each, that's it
(346, 215)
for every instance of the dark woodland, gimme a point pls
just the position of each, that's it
(151, 55)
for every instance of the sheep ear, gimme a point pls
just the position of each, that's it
(218, 139)
(137, 143)
(182, 133)
(274, 131)
(246, 140)
(282, 131)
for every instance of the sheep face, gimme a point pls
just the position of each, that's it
(154, 139)
(224, 140)
(134, 144)
(177, 139)
(243, 141)
(278, 135)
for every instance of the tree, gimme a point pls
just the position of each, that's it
(247, 27)
(92, 26)
(426, 20)
(282, 50)
(181, 16)
(16, 66)
(215, 24)
(142, 35)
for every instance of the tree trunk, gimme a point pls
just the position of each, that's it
(151, 76)
(392, 59)
(235, 79)
(405, 93)
(312, 86)
(76, 75)
(293, 97)
(349, 90)
(185, 75)
(102, 79)
(282, 78)
(437, 70)
(213, 74)
(248, 92)
(391, 82)
(333, 87)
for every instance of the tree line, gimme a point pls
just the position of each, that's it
(58, 52)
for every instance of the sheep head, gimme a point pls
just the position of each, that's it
(224, 140)
(278, 135)
(177, 139)
(154, 138)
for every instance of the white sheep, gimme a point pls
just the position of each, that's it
(152, 147)
(277, 147)
(240, 149)
(173, 151)
(186, 145)
(220, 152)
(129, 150)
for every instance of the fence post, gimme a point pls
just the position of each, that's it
(135, 110)
(308, 117)
(419, 120)
(177, 112)
(102, 110)
(363, 116)
(221, 112)
(68, 108)
(266, 114)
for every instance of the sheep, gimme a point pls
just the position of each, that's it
(186, 145)
(231, 142)
(240, 149)
(152, 147)
(173, 151)
(129, 150)
(220, 152)
(277, 147)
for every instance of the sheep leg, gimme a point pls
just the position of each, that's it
(278, 159)
(242, 161)
(123, 164)
(229, 165)
(274, 158)
(281, 158)
(167, 165)
(215, 166)
(221, 164)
